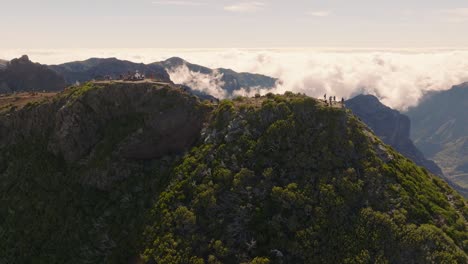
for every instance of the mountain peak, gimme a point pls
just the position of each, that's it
(21, 60)
(24, 58)
(368, 101)
(176, 60)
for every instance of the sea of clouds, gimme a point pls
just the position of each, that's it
(400, 78)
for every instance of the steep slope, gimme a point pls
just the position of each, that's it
(391, 126)
(394, 129)
(78, 172)
(96, 68)
(105, 173)
(285, 179)
(230, 80)
(440, 130)
(23, 75)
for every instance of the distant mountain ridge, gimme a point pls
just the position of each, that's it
(391, 126)
(99, 67)
(22, 75)
(440, 130)
(96, 68)
(394, 129)
(232, 80)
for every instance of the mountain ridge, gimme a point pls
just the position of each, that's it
(233, 80)
(22, 75)
(80, 183)
(96, 68)
(100, 68)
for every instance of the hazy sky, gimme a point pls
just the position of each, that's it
(232, 24)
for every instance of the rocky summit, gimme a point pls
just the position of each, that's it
(120, 172)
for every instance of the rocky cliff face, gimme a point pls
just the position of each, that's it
(156, 121)
(391, 126)
(23, 75)
(83, 168)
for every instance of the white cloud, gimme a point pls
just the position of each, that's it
(245, 7)
(399, 78)
(179, 3)
(456, 15)
(319, 13)
(208, 83)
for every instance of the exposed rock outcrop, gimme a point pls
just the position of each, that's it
(110, 122)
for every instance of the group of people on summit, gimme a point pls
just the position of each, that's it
(332, 99)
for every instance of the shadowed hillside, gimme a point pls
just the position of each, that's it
(391, 126)
(440, 130)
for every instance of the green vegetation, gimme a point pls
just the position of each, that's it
(74, 93)
(295, 182)
(53, 211)
(48, 216)
(274, 179)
